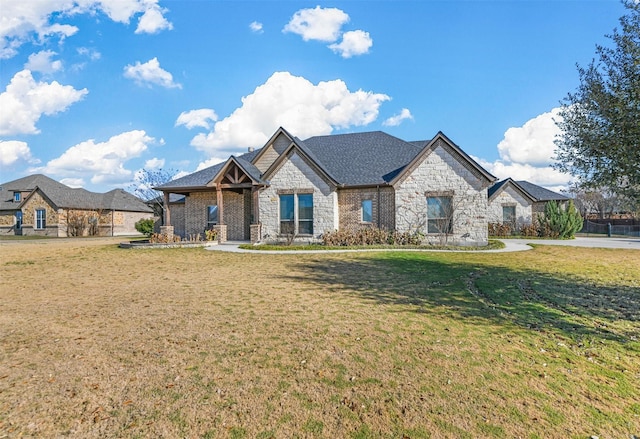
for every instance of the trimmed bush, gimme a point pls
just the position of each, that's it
(145, 226)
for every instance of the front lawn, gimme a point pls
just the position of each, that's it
(97, 341)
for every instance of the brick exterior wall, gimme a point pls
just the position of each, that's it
(296, 175)
(237, 214)
(177, 219)
(350, 208)
(195, 211)
(237, 209)
(510, 197)
(441, 172)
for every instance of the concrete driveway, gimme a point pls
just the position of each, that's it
(599, 242)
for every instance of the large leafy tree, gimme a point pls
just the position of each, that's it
(600, 122)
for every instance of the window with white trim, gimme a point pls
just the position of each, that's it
(41, 219)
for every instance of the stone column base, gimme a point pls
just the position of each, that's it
(256, 233)
(222, 232)
(168, 232)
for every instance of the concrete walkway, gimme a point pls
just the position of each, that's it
(511, 245)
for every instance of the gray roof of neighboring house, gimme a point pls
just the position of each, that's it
(535, 192)
(540, 193)
(73, 198)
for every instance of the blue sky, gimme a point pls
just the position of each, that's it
(93, 91)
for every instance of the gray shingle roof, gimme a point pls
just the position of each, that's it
(65, 197)
(202, 177)
(537, 193)
(362, 158)
(540, 193)
(356, 159)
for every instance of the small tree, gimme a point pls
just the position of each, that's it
(560, 222)
(143, 187)
(145, 226)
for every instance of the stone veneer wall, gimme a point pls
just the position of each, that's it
(34, 203)
(509, 197)
(441, 172)
(7, 222)
(350, 208)
(296, 175)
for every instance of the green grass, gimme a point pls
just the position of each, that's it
(493, 245)
(191, 343)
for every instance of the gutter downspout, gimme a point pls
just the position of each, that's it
(378, 206)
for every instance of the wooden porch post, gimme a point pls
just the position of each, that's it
(167, 212)
(219, 201)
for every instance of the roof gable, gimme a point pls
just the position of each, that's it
(500, 186)
(442, 141)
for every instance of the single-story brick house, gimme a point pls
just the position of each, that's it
(304, 188)
(518, 202)
(39, 205)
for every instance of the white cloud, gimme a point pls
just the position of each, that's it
(209, 162)
(42, 62)
(73, 182)
(533, 142)
(295, 103)
(396, 120)
(152, 21)
(321, 24)
(353, 43)
(13, 151)
(150, 73)
(256, 27)
(92, 54)
(527, 153)
(103, 161)
(22, 19)
(197, 118)
(25, 101)
(154, 163)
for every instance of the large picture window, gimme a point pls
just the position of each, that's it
(367, 211)
(212, 216)
(41, 218)
(296, 214)
(439, 215)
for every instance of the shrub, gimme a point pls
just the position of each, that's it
(211, 235)
(370, 236)
(500, 229)
(559, 222)
(145, 226)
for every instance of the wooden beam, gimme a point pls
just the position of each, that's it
(167, 211)
(220, 203)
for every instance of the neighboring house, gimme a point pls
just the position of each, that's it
(39, 205)
(291, 187)
(518, 202)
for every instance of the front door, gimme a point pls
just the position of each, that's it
(18, 226)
